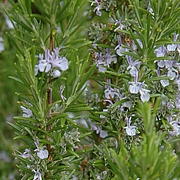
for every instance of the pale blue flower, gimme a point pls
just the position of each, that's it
(145, 96)
(177, 103)
(119, 48)
(160, 63)
(172, 73)
(102, 133)
(104, 61)
(26, 112)
(172, 47)
(44, 64)
(133, 66)
(170, 63)
(164, 82)
(120, 25)
(37, 175)
(1, 44)
(26, 154)
(161, 51)
(8, 22)
(98, 129)
(130, 130)
(175, 128)
(56, 73)
(52, 62)
(127, 104)
(97, 8)
(134, 87)
(109, 92)
(110, 58)
(42, 153)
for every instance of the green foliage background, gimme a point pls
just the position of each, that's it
(8, 87)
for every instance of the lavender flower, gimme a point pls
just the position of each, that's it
(59, 62)
(26, 112)
(160, 52)
(172, 47)
(119, 48)
(109, 92)
(160, 63)
(103, 62)
(164, 82)
(56, 73)
(120, 25)
(98, 129)
(130, 130)
(44, 64)
(1, 44)
(97, 8)
(136, 87)
(51, 62)
(145, 96)
(37, 175)
(26, 154)
(133, 66)
(110, 58)
(41, 153)
(177, 103)
(176, 128)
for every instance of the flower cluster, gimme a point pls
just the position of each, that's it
(51, 63)
(104, 61)
(98, 129)
(35, 160)
(103, 5)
